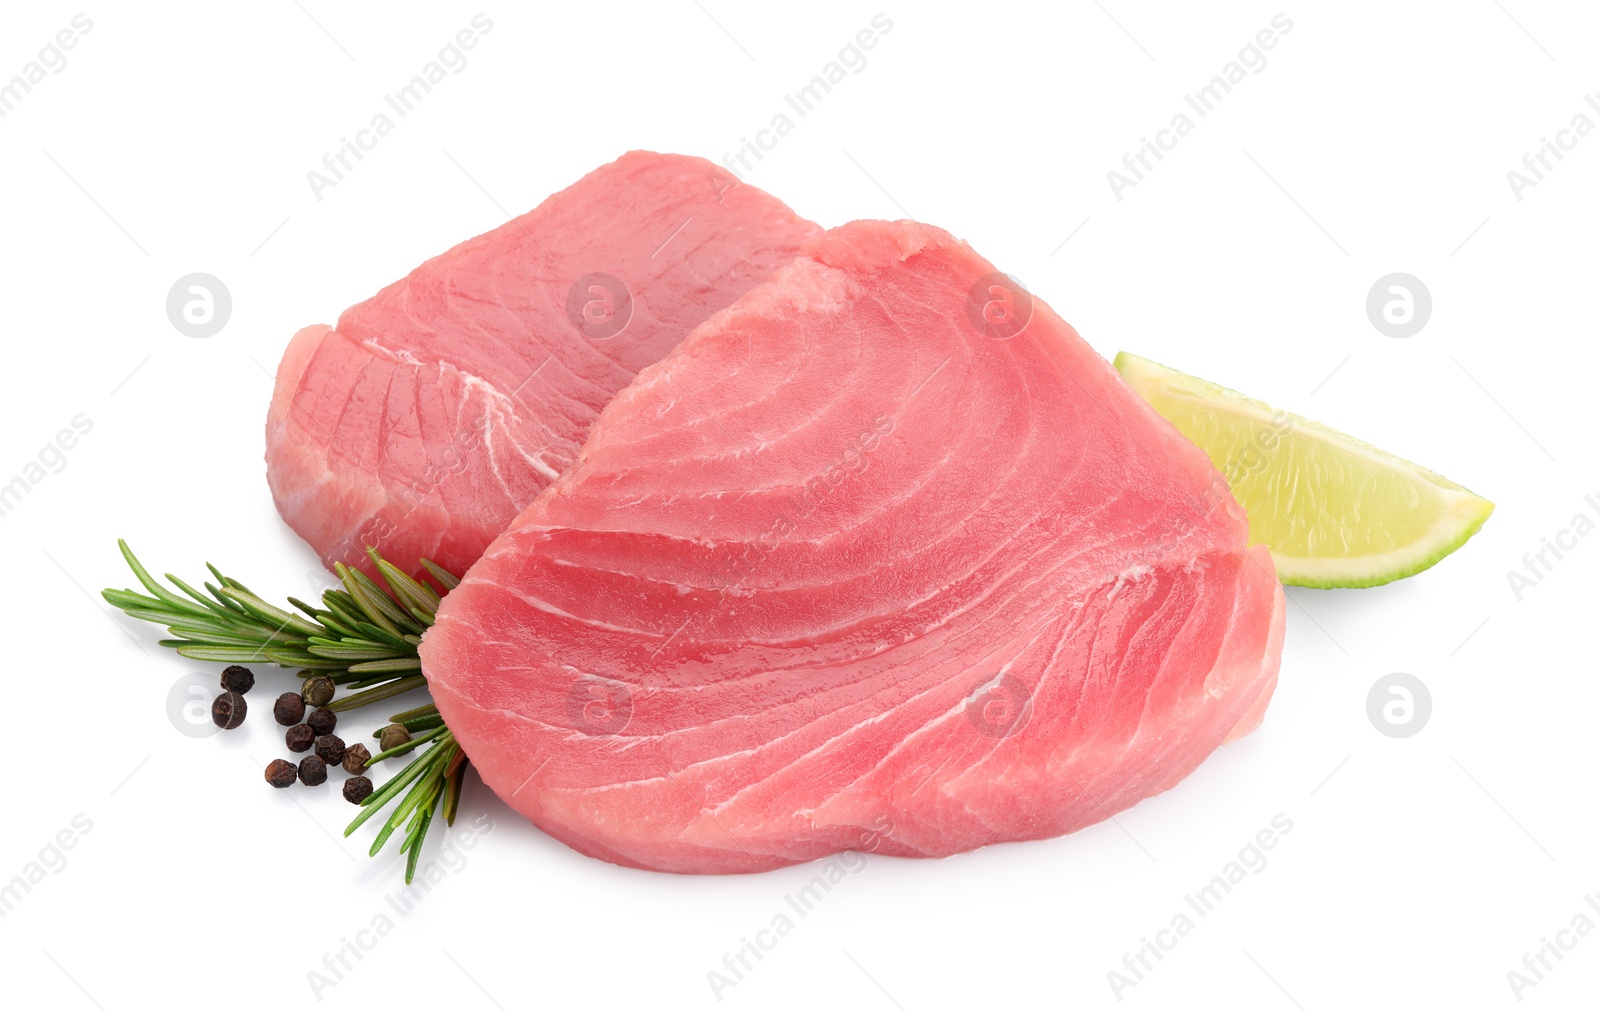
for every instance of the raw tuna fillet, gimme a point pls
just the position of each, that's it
(882, 557)
(437, 409)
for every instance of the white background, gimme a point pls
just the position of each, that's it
(1377, 139)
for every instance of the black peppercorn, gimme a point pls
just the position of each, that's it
(227, 710)
(330, 747)
(237, 678)
(289, 709)
(299, 738)
(313, 771)
(393, 736)
(281, 773)
(357, 789)
(355, 758)
(322, 721)
(317, 690)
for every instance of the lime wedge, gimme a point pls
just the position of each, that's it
(1334, 511)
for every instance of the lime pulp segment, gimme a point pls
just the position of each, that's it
(1333, 510)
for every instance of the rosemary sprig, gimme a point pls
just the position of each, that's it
(364, 637)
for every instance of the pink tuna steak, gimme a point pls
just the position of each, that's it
(437, 409)
(881, 557)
